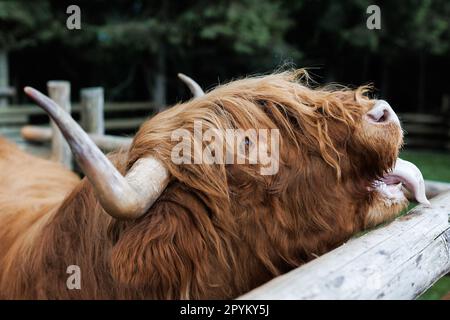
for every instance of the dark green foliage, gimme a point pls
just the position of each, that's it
(135, 48)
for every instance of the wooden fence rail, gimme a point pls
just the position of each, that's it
(106, 142)
(423, 131)
(428, 131)
(398, 261)
(91, 111)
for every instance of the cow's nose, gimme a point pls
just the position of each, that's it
(382, 113)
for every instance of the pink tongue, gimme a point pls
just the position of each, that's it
(411, 177)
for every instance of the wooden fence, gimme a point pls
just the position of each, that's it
(430, 131)
(96, 117)
(397, 261)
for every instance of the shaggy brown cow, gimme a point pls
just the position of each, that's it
(155, 229)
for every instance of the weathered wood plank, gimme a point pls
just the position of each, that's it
(11, 116)
(425, 129)
(110, 107)
(15, 110)
(420, 118)
(13, 120)
(6, 131)
(109, 143)
(7, 92)
(36, 133)
(120, 124)
(128, 106)
(105, 142)
(424, 143)
(398, 261)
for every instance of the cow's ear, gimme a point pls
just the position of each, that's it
(161, 256)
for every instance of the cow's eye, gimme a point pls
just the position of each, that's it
(246, 145)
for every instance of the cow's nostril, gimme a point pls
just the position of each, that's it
(382, 112)
(379, 115)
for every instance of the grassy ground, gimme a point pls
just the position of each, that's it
(434, 166)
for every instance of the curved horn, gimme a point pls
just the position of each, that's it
(126, 197)
(195, 88)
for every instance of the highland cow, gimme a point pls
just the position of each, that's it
(141, 226)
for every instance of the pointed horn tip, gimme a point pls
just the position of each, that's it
(28, 90)
(31, 92)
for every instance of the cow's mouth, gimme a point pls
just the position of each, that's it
(404, 174)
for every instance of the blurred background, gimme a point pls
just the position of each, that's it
(134, 50)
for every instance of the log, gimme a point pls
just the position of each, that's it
(36, 134)
(110, 107)
(12, 120)
(110, 143)
(398, 261)
(7, 92)
(105, 142)
(59, 91)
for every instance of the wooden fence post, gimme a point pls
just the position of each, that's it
(4, 74)
(92, 108)
(59, 91)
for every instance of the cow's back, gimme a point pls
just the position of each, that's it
(30, 190)
(23, 176)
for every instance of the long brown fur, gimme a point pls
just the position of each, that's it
(218, 230)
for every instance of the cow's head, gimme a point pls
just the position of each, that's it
(337, 150)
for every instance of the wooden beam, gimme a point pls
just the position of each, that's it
(110, 107)
(59, 91)
(7, 92)
(105, 142)
(420, 118)
(36, 134)
(398, 261)
(124, 123)
(110, 143)
(13, 120)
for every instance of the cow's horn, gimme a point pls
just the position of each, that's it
(195, 88)
(126, 197)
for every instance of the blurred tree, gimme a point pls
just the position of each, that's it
(419, 29)
(134, 48)
(156, 36)
(22, 24)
